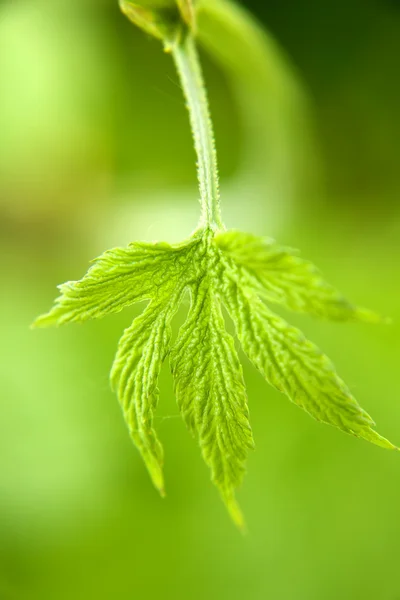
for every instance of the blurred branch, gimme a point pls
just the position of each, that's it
(279, 150)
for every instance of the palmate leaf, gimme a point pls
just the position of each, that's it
(240, 271)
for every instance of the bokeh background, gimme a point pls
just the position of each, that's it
(95, 151)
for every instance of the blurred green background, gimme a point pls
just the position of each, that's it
(95, 151)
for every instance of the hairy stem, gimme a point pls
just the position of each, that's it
(190, 73)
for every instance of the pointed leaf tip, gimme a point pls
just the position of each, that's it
(370, 316)
(157, 477)
(235, 513)
(375, 438)
(45, 320)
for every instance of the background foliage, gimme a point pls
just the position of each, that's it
(95, 151)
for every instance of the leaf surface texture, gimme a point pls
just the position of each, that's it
(242, 273)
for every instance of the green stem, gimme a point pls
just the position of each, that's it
(190, 73)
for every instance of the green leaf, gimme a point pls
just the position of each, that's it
(134, 377)
(291, 363)
(207, 374)
(279, 275)
(210, 392)
(118, 278)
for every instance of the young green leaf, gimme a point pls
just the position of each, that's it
(291, 363)
(210, 391)
(279, 275)
(117, 279)
(134, 377)
(206, 370)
